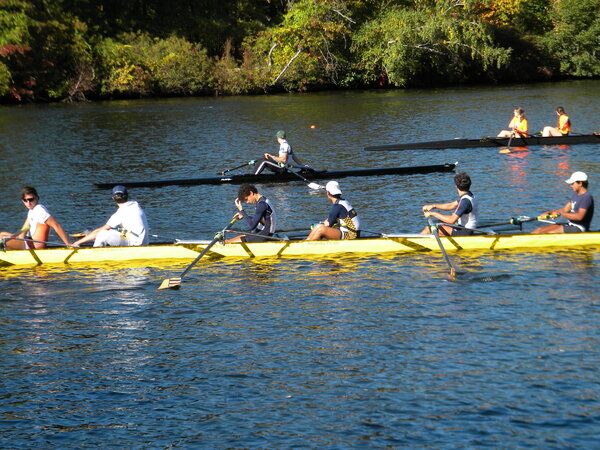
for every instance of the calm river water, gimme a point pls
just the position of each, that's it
(332, 353)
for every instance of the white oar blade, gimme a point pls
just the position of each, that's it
(170, 283)
(315, 186)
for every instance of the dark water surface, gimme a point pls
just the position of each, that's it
(342, 352)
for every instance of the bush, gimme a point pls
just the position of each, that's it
(141, 65)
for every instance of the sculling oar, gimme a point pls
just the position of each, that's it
(434, 230)
(308, 182)
(249, 163)
(3, 242)
(175, 282)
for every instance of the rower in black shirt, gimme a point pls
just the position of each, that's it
(263, 222)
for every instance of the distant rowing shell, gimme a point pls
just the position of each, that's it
(491, 142)
(286, 177)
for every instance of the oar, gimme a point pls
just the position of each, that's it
(522, 219)
(310, 184)
(434, 230)
(60, 244)
(175, 282)
(249, 163)
(507, 149)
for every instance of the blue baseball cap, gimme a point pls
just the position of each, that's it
(119, 190)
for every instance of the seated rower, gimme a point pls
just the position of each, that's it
(279, 163)
(126, 227)
(36, 227)
(343, 221)
(263, 223)
(518, 125)
(579, 210)
(466, 210)
(564, 125)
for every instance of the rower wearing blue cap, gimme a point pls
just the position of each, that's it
(126, 227)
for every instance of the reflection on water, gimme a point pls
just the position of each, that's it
(343, 352)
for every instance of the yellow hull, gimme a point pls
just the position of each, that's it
(401, 243)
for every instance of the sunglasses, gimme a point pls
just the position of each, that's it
(29, 200)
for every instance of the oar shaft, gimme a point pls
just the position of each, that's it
(434, 230)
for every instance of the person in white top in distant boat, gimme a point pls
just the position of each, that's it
(278, 163)
(127, 227)
(36, 227)
(466, 210)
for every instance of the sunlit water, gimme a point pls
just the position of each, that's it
(342, 352)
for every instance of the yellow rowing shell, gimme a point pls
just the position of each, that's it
(393, 243)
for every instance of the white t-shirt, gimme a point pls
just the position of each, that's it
(39, 214)
(285, 150)
(131, 217)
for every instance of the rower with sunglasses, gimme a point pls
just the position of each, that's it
(36, 229)
(126, 227)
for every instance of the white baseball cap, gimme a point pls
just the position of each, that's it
(333, 188)
(577, 176)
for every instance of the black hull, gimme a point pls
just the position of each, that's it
(285, 177)
(491, 142)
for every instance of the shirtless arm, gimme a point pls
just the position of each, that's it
(58, 229)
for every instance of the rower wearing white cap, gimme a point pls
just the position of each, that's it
(343, 221)
(126, 227)
(579, 210)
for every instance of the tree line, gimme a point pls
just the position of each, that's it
(75, 50)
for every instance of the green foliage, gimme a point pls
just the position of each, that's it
(247, 77)
(440, 41)
(141, 65)
(309, 46)
(575, 40)
(5, 79)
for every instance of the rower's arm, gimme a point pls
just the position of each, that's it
(58, 229)
(443, 206)
(90, 236)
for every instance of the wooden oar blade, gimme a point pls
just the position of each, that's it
(170, 283)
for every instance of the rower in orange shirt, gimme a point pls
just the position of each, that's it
(518, 125)
(564, 125)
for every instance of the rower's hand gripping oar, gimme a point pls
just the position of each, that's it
(434, 231)
(249, 163)
(175, 282)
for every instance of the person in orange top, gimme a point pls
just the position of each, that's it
(564, 125)
(518, 125)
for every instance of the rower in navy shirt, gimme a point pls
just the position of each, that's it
(579, 210)
(263, 222)
(466, 210)
(343, 221)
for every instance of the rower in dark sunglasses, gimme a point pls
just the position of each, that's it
(36, 229)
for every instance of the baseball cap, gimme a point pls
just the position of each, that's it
(577, 176)
(119, 190)
(333, 188)
(280, 134)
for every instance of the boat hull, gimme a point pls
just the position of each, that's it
(400, 243)
(285, 177)
(491, 142)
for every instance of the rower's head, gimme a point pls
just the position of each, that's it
(280, 134)
(462, 181)
(519, 112)
(29, 196)
(578, 178)
(333, 189)
(120, 194)
(560, 110)
(247, 193)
